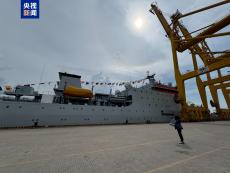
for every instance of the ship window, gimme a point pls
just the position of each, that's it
(7, 106)
(81, 108)
(19, 107)
(103, 109)
(43, 108)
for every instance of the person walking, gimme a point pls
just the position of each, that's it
(179, 128)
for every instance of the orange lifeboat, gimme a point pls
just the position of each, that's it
(77, 92)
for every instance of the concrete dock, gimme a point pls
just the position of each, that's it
(146, 148)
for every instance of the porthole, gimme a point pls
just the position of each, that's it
(7, 106)
(19, 107)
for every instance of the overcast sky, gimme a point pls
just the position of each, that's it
(95, 38)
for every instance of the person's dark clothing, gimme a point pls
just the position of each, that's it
(178, 124)
(180, 134)
(179, 128)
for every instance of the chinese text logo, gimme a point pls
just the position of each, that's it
(29, 9)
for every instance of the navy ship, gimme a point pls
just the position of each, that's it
(73, 105)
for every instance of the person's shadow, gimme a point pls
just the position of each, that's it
(183, 149)
(184, 146)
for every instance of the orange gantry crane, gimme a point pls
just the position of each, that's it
(181, 40)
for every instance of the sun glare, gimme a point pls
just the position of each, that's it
(138, 23)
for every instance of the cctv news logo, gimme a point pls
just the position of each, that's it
(30, 9)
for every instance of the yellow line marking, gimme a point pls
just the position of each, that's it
(186, 160)
(83, 153)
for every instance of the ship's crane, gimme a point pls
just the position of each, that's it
(181, 39)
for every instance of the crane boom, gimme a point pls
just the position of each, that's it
(155, 10)
(210, 62)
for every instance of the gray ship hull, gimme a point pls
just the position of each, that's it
(148, 106)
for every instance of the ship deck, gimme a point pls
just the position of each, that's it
(147, 148)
